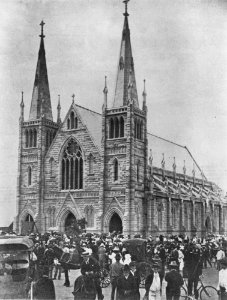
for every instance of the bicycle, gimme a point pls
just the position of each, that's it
(205, 292)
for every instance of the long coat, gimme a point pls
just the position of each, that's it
(174, 283)
(44, 289)
(126, 288)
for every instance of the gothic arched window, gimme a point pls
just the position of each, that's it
(115, 170)
(72, 167)
(51, 166)
(76, 122)
(30, 138)
(68, 124)
(90, 215)
(26, 139)
(116, 123)
(135, 128)
(159, 209)
(72, 119)
(111, 129)
(35, 138)
(29, 176)
(121, 126)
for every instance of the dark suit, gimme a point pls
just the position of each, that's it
(136, 276)
(126, 288)
(174, 283)
(92, 266)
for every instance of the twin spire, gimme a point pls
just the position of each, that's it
(125, 84)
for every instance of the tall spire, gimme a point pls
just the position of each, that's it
(125, 66)
(41, 92)
(105, 92)
(59, 110)
(22, 106)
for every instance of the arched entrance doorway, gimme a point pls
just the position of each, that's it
(70, 223)
(115, 223)
(27, 225)
(208, 225)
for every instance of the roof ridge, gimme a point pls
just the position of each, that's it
(87, 109)
(167, 140)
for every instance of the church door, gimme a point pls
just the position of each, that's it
(70, 223)
(115, 223)
(27, 225)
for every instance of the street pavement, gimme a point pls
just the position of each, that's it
(210, 277)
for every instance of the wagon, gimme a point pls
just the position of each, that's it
(14, 266)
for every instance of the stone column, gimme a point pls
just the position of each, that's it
(221, 223)
(182, 227)
(169, 216)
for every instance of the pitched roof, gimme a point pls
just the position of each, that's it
(125, 71)
(160, 146)
(93, 122)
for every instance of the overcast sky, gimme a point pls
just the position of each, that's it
(179, 47)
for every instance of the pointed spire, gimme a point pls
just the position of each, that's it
(130, 87)
(59, 110)
(105, 92)
(125, 65)
(22, 106)
(41, 86)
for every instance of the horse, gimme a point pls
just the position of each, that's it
(84, 288)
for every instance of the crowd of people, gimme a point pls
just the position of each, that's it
(170, 258)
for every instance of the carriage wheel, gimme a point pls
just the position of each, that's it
(105, 278)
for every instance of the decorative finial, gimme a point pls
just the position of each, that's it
(184, 168)
(105, 91)
(42, 25)
(193, 170)
(22, 99)
(174, 164)
(144, 88)
(163, 161)
(73, 96)
(150, 158)
(126, 8)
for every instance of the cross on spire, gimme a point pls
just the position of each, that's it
(42, 25)
(126, 8)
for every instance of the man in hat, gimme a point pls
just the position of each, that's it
(222, 279)
(174, 282)
(116, 270)
(90, 267)
(153, 284)
(136, 276)
(126, 285)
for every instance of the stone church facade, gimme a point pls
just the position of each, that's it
(107, 168)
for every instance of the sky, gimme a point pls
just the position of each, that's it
(179, 47)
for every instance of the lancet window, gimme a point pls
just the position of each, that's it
(72, 122)
(115, 170)
(29, 176)
(30, 138)
(138, 129)
(72, 167)
(116, 127)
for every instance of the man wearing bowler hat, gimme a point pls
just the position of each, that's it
(126, 285)
(90, 267)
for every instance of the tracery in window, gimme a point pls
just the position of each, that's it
(72, 167)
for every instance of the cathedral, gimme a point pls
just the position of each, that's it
(107, 168)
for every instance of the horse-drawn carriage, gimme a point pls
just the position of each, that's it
(137, 248)
(14, 266)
